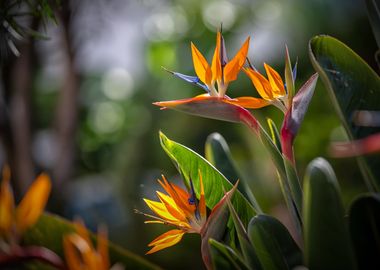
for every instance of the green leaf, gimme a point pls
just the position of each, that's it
(289, 80)
(273, 151)
(49, 232)
(326, 236)
(295, 188)
(218, 154)
(248, 251)
(274, 246)
(275, 135)
(364, 223)
(353, 86)
(224, 257)
(190, 163)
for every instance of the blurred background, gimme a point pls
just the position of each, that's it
(78, 81)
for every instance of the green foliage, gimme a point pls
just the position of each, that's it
(12, 21)
(224, 257)
(249, 254)
(326, 237)
(49, 232)
(353, 86)
(189, 164)
(218, 154)
(275, 135)
(274, 246)
(364, 224)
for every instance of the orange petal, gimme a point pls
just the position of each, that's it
(174, 103)
(261, 84)
(233, 67)
(201, 67)
(71, 255)
(166, 240)
(179, 195)
(6, 202)
(33, 203)
(81, 230)
(248, 102)
(103, 247)
(216, 65)
(171, 206)
(278, 89)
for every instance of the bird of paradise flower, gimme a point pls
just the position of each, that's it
(187, 213)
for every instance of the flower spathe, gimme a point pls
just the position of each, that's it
(177, 208)
(15, 220)
(80, 253)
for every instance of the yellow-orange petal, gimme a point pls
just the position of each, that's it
(171, 206)
(33, 203)
(166, 240)
(160, 209)
(216, 66)
(278, 89)
(201, 67)
(261, 84)
(248, 102)
(233, 67)
(6, 202)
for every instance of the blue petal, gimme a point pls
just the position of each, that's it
(193, 200)
(295, 71)
(190, 79)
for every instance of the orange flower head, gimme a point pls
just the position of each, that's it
(178, 208)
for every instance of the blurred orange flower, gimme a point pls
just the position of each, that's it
(80, 253)
(15, 220)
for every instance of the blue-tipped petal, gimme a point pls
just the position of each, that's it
(190, 79)
(193, 200)
(295, 71)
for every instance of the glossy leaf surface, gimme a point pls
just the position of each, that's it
(275, 248)
(218, 154)
(190, 163)
(326, 237)
(353, 86)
